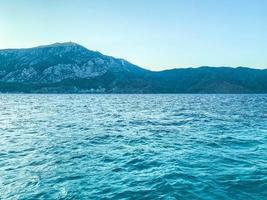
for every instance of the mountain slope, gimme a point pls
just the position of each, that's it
(214, 80)
(69, 67)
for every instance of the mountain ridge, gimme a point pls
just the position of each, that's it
(71, 68)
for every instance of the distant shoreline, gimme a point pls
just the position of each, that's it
(72, 68)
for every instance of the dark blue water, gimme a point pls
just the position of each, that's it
(133, 147)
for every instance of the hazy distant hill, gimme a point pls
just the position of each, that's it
(69, 67)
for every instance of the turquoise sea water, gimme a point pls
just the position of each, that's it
(133, 146)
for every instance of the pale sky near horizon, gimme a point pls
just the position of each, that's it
(155, 34)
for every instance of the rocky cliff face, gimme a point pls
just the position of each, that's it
(55, 63)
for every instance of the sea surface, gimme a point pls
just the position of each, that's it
(133, 146)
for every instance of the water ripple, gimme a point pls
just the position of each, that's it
(133, 146)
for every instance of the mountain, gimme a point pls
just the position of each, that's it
(70, 67)
(213, 80)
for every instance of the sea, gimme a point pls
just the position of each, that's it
(133, 146)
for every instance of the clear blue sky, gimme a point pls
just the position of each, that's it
(156, 34)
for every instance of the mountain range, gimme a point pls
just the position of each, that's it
(72, 68)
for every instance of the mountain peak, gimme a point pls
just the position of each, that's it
(63, 44)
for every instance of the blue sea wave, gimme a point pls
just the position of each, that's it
(133, 146)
